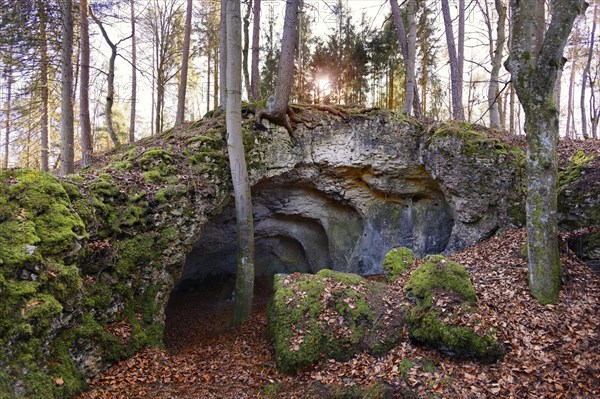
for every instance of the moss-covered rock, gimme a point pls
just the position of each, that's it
(397, 261)
(330, 314)
(442, 292)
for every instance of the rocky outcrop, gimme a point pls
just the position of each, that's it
(84, 279)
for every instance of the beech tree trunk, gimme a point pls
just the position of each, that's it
(456, 75)
(44, 86)
(184, 66)
(244, 288)
(133, 76)
(254, 72)
(85, 125)
(277, 105)
(67, 135)
(534, 67)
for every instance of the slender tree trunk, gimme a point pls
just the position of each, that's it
(456, 75)
(277, 106)
(245, 49)
(216, 65)
(153, 95)
(8, 79)
(133, 75)
(208, 81)
(184, 65)
(66, 66)
(586, 77)
(254, 72)
(84, 90)
(44, 86)
(244, 287)
(570, 127)
(110, 90)
(534, 68)
(496, 64)
(222, 56)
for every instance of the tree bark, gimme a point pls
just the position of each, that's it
(66, 71)
(133, 76)
(184, 65)
(493, 105)
(44, 85)
(534, 67)
(277, 106)
(84, 90)
(222, 56)
(254, 72)
(456, 75)
(244, 289)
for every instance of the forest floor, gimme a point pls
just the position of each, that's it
(553, 351)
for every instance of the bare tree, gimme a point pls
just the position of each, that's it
(254, 72)
(277, 105)
(66, 71)
(110, 90)
(8, 78)
(41, 8)
(456, 58)
(85, 125)
(222, 78)
(244, 287)
(184, 65)
(246, 47)
(133, 75)
(534, 63)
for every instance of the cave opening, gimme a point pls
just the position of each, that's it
(300, 227)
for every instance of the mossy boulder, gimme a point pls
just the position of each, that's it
(397, 261)
(327, 315)
(442, 292)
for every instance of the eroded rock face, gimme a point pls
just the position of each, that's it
(342, 195)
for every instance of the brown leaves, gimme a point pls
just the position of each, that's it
(554, 350)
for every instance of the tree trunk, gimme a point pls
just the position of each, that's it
(208, 56)
(133, 76)
(66, 71)
(534, 82)
(184, 65)
(84, 90)
(44, 86)
(222, 56)
(216, 65)
(496, 64)
(246, 48)
(456, 76)
(8, 79)
(277, 106)
(254, 72)
(110, 82)
(586, 77)
(244, 288)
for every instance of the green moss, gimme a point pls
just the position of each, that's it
(214, 143)
(405, 366)
(440, 273)
(271, 390)
(397, 261)
(572, 170)
(456, 341)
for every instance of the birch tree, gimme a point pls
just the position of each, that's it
(534, 63)
(244, 287)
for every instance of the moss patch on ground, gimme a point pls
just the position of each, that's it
(397, 261)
